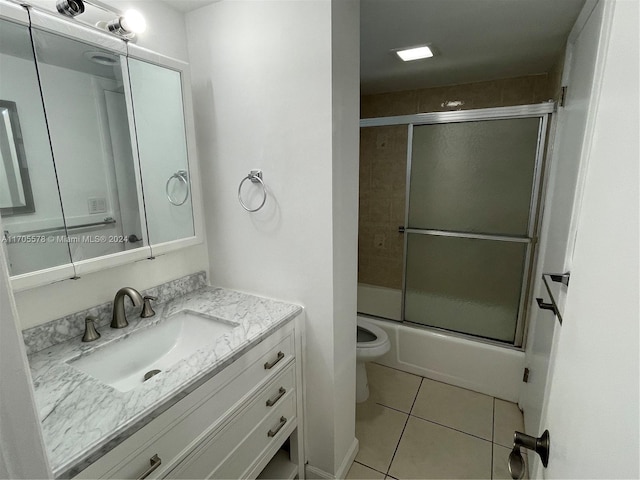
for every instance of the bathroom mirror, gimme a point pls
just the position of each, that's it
(83, 88)
(156, 93)
(106, 130)
(31, 209)
(15, 186)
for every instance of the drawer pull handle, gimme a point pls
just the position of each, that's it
(270, 365)
(272, 401)
(273, 433)
(155, 462)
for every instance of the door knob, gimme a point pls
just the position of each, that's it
(539, 445)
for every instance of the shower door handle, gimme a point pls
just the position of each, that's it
(401, 229)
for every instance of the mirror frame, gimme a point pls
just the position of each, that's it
(68, 28)
(23, 168)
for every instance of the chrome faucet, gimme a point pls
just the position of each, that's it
(119, 318)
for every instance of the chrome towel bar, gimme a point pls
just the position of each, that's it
(106, 221)
(256, 177)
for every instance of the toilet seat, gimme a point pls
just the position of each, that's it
(381, 336)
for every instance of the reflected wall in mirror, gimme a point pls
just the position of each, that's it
(84, 98)
(15, 186)
(30, 234)
(162, 146)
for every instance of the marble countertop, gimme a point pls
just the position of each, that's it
(83, 418)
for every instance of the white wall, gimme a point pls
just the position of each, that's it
(345, 52)
(267, 88)
(166, 35)
(77, 137)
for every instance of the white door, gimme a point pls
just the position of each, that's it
(562, 197)
(592, 408)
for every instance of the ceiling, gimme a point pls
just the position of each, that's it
(474, 40)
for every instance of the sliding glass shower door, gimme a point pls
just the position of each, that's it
(470, 222)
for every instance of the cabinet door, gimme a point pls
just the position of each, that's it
(83, 92)
(157, 97)
(34, 228)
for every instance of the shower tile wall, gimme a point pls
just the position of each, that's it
(383, 166)
(383, 160)
(495, 93)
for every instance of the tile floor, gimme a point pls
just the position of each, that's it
(415, 428)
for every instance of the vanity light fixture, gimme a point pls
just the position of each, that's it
(128, 25)
(414, 53)
(70, 8)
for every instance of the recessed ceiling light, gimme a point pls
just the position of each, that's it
(414, 53)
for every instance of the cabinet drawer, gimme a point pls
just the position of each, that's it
(182, 427)
(243, 458)
(232, 450)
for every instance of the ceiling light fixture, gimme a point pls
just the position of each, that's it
(128, 25)
(414, 53)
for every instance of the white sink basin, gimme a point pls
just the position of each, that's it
(124, 364)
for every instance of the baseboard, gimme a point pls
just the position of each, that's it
(315, 473)
(348, 459)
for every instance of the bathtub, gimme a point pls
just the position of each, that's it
(489, 369)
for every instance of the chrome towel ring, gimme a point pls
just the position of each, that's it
(256, 177)
(181, 176)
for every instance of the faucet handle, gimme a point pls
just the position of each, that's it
(147, 311)
(90, 332)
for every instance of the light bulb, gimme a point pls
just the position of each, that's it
(133, 21)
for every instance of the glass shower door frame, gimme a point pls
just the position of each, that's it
(542, 112)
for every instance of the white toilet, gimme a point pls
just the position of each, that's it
(372, 343)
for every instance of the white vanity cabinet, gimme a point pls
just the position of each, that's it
(232, 426)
